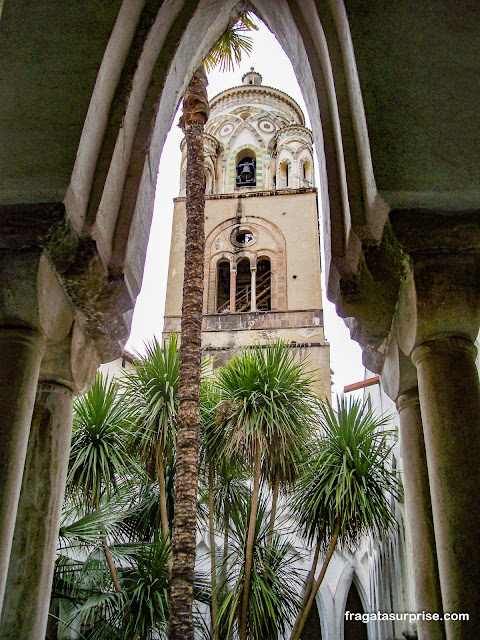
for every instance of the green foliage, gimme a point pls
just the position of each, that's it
(348, 476)
(268, 399)
(99, 458)
(262, 397)
(227, 53)
(275, 582)
(152, 388)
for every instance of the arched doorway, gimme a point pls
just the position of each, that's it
(354, 629)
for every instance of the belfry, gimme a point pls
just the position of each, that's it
(262, 252)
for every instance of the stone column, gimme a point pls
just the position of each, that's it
(450, 404)
(233, 289)
(253, 271)
(30, 573)
(21, 351)
(419, 519)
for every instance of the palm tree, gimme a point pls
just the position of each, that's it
(194, 116)
(99, 458)
(208, 457)
(273, 599)
(140, 610)
(346, 489)
(267, 408)
(225, 479)
(152, 387)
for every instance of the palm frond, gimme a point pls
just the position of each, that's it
(349, 476)
(152, 387)
(228, 51)
(268, 398)
(99, 459)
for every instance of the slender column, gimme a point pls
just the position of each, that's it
(21, 353)
(253, 272)
(418, 508)
(32, 559)
(233, 289)
(450, 404)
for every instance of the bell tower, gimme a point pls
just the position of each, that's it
(262, 251)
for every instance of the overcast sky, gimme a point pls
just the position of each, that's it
(271, 62)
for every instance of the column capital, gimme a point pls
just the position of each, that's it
(439, 298)
(443, 344)
(71, 363)
(408, 398)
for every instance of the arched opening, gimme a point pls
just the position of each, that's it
(354, 629)
(312, 629)
(223, 287)
(246, 169)
(243, 297)
(284, 175)
(306, 172)
(264, 285)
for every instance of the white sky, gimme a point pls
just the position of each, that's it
(268, 59)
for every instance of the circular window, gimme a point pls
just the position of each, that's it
(242, 237)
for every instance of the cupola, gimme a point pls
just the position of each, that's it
(252, 77)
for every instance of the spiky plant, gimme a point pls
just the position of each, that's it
(348, 485)
(152, 387)
(268, 404)
(275, 582)
(99, 457)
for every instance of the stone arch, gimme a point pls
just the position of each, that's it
(232, 165)
(119, 122)
(277, 260)
(348, 577)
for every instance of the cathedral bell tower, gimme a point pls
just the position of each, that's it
(262, 251)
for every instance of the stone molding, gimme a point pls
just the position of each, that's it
(250, 321)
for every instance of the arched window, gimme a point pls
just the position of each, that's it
(223, 287)
(243, 296)
(306, 171)
(354, 629)
(246, 169)
(284, 175)
(264, 285)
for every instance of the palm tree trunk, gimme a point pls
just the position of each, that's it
(303, 615)
(226, 520)
(195, 114)
(273, 512)
(250, 541)
(311, 575)
(163, 496)
(110, 563)
(213, 563)
(108, 555)
(161, 486)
